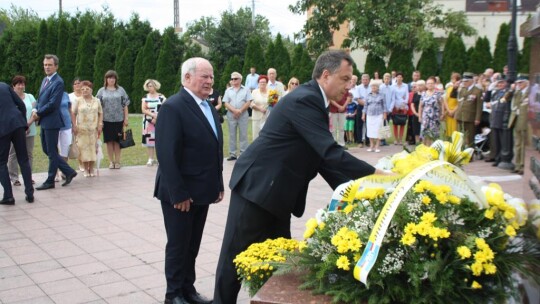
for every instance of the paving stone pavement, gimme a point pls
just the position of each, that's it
(101, 240)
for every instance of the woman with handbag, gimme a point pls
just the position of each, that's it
(114, 101)
(150, 106)
(400, 100)
(375, 110)
(87, 126)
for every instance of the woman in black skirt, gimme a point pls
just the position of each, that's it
(114, 102)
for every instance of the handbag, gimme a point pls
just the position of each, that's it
(126, 139)
(399, 119)
(73, 152)
(384, 131)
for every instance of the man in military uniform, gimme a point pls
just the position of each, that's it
(500, 114)
(469, 111)
(518, 118)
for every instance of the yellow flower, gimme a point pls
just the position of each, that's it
(309, 232)
(312, 223)
(428, 217)
(476, 285)
(480, 257)
(490, 213)
(464, 252)
(343, 263)
(426, 200)
(408, 239)
(454, 199)
(477, 268)
(322, 225)
(348, 209)
(510, 230)
(410, 228)
(302, 245)
(481, 243)
(490, 268)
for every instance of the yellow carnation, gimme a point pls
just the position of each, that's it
(490, 213)
(490, 268)
(408, 239)
(476, 285)
(348, 209)
(464, 252)
(477, 268)
(343, 263)
(510, 230)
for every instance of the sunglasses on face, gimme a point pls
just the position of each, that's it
(234, 78)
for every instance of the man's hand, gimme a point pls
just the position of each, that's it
(220, 197)
(126, 122)
(183, 206)
(476, 122)
(35, 117)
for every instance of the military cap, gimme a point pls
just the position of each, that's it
(522, 77)
(468, 76)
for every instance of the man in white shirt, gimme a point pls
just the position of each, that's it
(273, 84)
(362, 92)
(252, 79)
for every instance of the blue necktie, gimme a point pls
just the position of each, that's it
(208, 113)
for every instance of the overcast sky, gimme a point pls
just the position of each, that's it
(160, 12)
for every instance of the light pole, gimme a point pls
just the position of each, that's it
(507, 144)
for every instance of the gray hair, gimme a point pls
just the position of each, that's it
(330, 61)
(53, 57)
(237, 75)
(190, 66)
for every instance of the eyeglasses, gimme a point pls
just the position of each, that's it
(235, 78)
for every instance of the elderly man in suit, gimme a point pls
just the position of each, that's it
(270, 180)
(13, 131)
(189, 147)
(518, 119)
(469, 111)
(50, 119)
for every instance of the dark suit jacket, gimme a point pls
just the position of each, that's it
(12, 110)
(189, 154)
(48, 103)
(294, 145)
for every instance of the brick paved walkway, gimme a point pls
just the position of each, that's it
(101, 240)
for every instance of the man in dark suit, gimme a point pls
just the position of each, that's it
(270, 180)
(189, 147)
(50, 119)
(13, 130)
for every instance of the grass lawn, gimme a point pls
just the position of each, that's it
(132, 156)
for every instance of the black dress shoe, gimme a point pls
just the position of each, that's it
(69, 179)
(489, 160)
(45, 186)
(495, 164)
(176, 300)
(29, 198)
(197, 298)
(231, 158)
(7, 201)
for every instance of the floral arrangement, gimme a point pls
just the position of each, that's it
(445, 242)
(273, 97)
(256, 264)
(426, 235)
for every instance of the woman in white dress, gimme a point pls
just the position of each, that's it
(259, 106)
(375, 112)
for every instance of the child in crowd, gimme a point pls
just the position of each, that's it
(350, 114)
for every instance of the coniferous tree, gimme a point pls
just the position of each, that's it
(428, 65)
(374, 64)
(270, 56)
(307, 66)
(254, 56)
(468, 64)
(401, 60)
(165, 71)
(38, 74)
(85, 56)
(103, 60)
(70, 56)
(461, 54)
(124, 68)
(525, 56)
(296, 60)
(480, 58)
(61, 43)
(447, 60)
(282, 59)
(52, 35)
(232, 65)
(454, 57)
(144, 68)
(500, 55)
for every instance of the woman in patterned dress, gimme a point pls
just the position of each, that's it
(87, 126)
(150, 106)
(430, 112)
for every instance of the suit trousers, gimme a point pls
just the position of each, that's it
(519, 148)
(18, 139)
(469, 131)
(49, 143)
(496, 137)
(184, 233)
(239, 126)
(247, 223)
(359, 134)
(13, 167)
